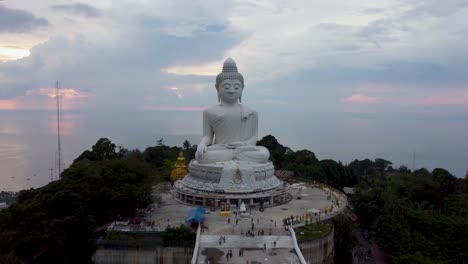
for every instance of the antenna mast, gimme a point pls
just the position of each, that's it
(59, 153)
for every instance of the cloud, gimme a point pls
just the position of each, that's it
(173, 108)
(209, 69)
(12, 53)
(44, 98)
(361, 99)
(429, 98)
(448, 98)
(178, 92)
(129, 68)
(19, 21)
(78, 9)
(166, 53)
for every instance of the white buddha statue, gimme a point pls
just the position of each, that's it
(230, 128)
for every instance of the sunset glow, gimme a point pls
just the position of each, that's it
(361, 99)
(13, 53)
(10, 105)
(65, 93)
(210, 69)
(44, 98)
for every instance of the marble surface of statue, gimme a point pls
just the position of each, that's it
(230, 129)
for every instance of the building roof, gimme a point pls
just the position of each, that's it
(196, 215)
(284, 173)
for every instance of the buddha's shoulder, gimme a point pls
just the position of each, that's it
(248, 109)
(219, 109)
(212, 109)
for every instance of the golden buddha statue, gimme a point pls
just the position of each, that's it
(180, 168)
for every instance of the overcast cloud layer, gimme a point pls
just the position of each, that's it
(313, 55)
(344, 77)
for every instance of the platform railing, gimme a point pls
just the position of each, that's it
(197, 245)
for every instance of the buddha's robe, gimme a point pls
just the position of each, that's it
(237, 125)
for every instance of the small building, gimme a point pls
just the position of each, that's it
(285, 175)
(3, 205)
(196, 216)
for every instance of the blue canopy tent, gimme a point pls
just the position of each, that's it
(196, 216)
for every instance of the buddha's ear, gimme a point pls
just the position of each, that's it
(240, 99)
(217, 92)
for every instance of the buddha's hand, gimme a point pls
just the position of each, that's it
(201, 149)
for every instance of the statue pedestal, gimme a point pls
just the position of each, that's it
(231, 177)
(232, 182)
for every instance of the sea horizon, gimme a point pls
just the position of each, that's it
(28, 139)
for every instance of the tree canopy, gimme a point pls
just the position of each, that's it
(57, 223)
(418, 217)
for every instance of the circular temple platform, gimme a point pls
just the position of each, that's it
(232, 182)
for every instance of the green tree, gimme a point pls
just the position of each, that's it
(186, 145)
(344, 239)
(381, 164)
(160, 142)
(276, 149)
(179, 236)
(103, 149)
(417, 258)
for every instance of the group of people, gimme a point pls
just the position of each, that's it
(222, 239)
(229, 255)
(293, 220)
(260, 232)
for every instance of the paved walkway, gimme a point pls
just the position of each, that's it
(233, 228)
(237, 241)
(258, 249)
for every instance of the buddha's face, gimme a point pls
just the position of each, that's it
(230, 90)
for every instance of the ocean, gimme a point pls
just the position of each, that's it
(28, 140)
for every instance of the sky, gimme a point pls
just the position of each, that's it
(404, 59)
(361, 56)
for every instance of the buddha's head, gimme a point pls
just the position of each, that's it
(229, 83)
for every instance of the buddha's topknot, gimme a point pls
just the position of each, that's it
(229, 72)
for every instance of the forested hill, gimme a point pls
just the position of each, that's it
(58, 223)
(417, 217)
(410, 212)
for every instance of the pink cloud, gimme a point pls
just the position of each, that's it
(10, 105)
(173, 108)
(388, 97)
(450, 98)
(407, 95)
(44, 98)
(361, 99)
